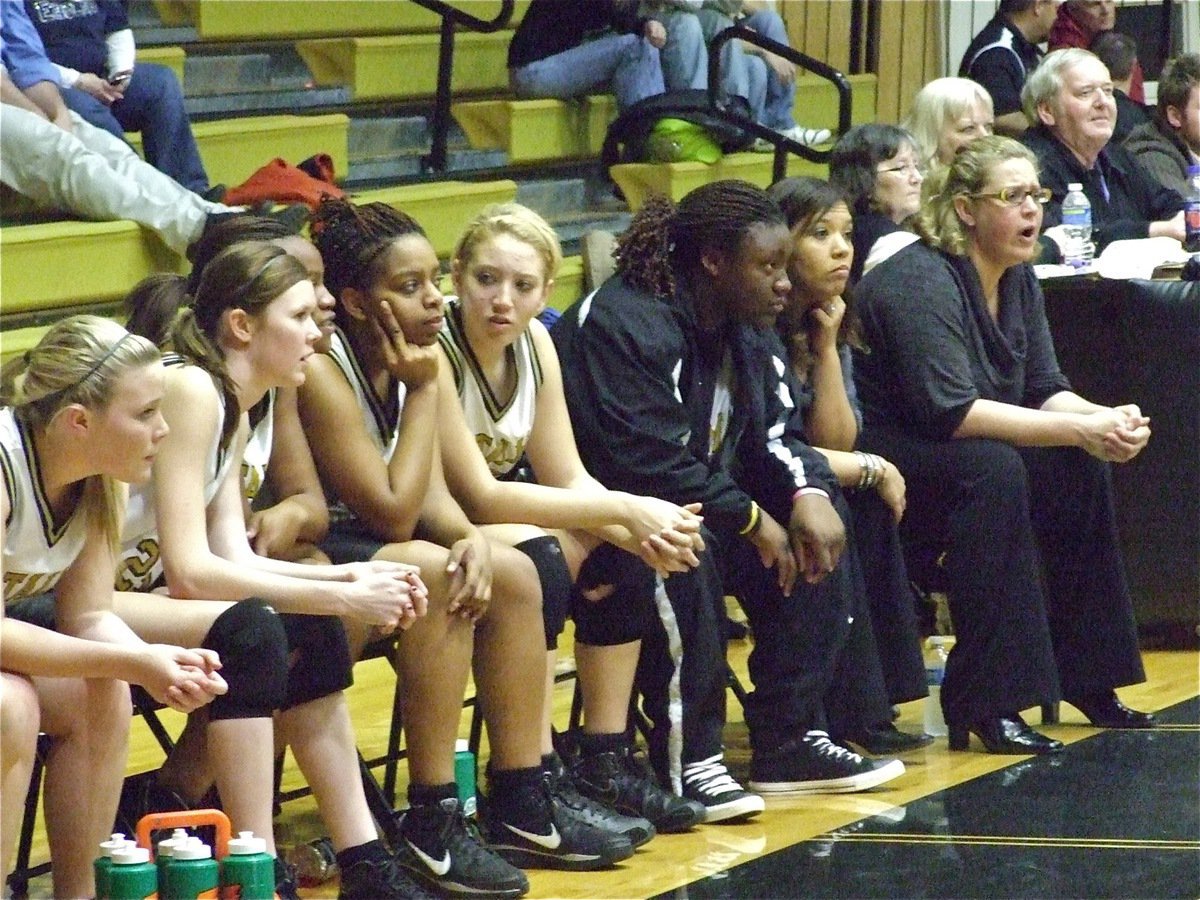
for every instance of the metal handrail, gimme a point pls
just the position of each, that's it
(782, 145)
(452, 16)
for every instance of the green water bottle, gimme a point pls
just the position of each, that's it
(464, 777)
(248, 871)
(192, 873)
(104, 861)
(132, 875)
(165, 848)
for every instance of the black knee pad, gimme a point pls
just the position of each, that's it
(253, 647)
(547, 556)
(318, 656)
(626, 613)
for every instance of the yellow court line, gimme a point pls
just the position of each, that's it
(1016, 841)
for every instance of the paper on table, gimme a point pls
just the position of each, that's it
(1139, 258)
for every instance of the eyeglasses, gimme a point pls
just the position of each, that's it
(1017, 196)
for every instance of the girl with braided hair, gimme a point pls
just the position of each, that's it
(370, 409)
(250, 328)
(675, 389)
(79, 414)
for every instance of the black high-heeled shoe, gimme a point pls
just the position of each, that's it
(1104, 710)
(1003, 734)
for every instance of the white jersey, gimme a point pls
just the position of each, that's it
(501, 428)
(37, 549)
(258, 447)
(381, 418)
(140, 565)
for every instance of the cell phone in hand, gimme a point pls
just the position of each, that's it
(118, 78)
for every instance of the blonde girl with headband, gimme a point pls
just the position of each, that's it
(80, 414)
(248, 329)
(501, 391)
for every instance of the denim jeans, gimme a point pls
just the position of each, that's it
(771, 100)
(626, 63)
(685, 56)
(153, 105)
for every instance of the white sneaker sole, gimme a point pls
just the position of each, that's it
(848, 785)
(741, 808)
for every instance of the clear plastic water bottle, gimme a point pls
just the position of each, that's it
(1077, 218)
(936, 654)
(315, 862)
(1191, 212)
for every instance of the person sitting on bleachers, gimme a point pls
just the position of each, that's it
(1170, 142)
(564, 50)
(55, 158)
(1003, 54)
(946, 115)
(770, 80)
(1119, 52)
(1077, 24)
(878, 169)
(91, 46)
(1070, 97)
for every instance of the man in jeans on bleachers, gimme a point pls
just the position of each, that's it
(91, 45)
(55, 158)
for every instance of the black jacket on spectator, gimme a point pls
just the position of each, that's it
(1133, 199)
(1000, 59)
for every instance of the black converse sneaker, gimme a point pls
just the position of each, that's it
(618, 779)
(709, 783)
(551, 836)
(578, 805)
(370, 879)
(443, 851)
(813, 764)
(285, 880)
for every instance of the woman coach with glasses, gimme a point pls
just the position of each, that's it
(1005, 465)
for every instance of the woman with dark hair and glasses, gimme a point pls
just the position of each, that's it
(878, 168)
(1005, 465)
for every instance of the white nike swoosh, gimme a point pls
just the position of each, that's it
(438, 867)
(550, 841)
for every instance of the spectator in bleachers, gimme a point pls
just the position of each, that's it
(570, 49)
(770, 79)
(1170, 142)
(673, 386)
(1003, 54)
(78, 415)
(1119, 52)
(1079, 22)
(946, 115)
(1007, 468)
(53, 157)
(92, 47)
(1070, 95)
(878, 169)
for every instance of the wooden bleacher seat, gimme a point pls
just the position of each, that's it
(442, 207)
(233, 149)
(171, 57)
(248, 20)
(404, 66)
(538, 130)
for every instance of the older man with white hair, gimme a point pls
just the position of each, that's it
(1069, 101)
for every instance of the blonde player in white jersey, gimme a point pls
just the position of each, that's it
(80, 413)
(504, 371)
